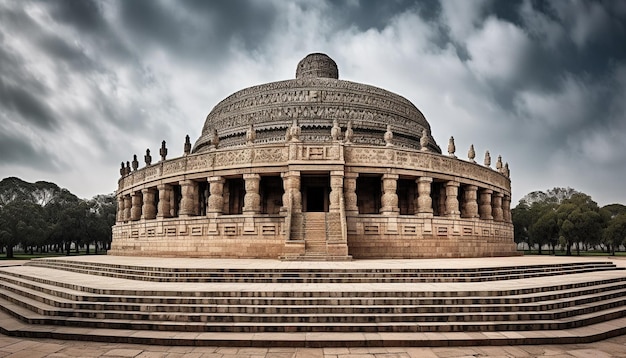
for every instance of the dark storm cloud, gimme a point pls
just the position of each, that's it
(199, 30)
(21, 151)
(373, 14)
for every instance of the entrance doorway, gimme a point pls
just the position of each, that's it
(315, 192)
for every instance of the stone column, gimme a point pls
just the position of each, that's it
(216, 195)
(127, 207)
(452, 200)
(496, 206)
(471, 202)
(336, 190)
(119, 217)
(349, 192)
(252, 199)
(484, 209)
(424, 200)
(291, 184)
(389, 199)
(136, 204)
(189, 199)
(163, 209)
(506, 208)
(149, 210)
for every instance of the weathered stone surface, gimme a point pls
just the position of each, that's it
(360, 156)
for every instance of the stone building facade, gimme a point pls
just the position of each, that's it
(314, 168)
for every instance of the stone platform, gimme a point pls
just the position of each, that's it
(209, 302)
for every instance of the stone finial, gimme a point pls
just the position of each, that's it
(487, 159)
(335, 131)
(147, 158)
(135, 162)
(451, 147)
(471, 154)
(122, 170)
(216, 139)
(187, 147)
(349, 133)
(507, 172)
(250, 134)
(499, 164)
(127, 171)
(424, 140)
(388, 136)
(163, 151)
(294, 131)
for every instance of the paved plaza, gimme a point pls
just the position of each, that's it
(11, 347)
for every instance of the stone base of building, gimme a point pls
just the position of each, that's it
(368, 237)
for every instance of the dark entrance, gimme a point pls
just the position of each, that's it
(315, 198)
(315, 189)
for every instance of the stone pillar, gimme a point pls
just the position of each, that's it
(252, 199)
(216, 195)
(484, 209)
(149, 210)
(189, 199)
(389, 199)
(424, 200)
(336, 190)
(496, 206)
(163, 209)
(349, 192)
(506, 208)
(136, 204)
(470, 202)
(119, 217)
(291, 184)
(452, 200)
(127, 207)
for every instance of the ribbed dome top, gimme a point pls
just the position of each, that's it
(317, 65)
(315, 99)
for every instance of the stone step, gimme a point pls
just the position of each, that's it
(320, 275)
(88, 293)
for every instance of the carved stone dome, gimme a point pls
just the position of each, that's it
(317, 65)
(315, 98)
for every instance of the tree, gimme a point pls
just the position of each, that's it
(614, 234)
(579, 221)
(21, 222)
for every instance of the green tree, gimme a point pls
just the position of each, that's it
(22, 222)
(579, 222)
(614, 234)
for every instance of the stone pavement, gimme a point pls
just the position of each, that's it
(11, 347)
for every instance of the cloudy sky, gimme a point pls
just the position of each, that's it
(85, 84)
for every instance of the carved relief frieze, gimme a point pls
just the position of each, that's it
(270, 155)
(202, 161)
(174, 166)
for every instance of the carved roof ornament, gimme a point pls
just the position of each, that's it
(294, 131)
(122, 170)
(451, 147)
(147, 158)
(215, 140)
(163, 151)
(127, 171)
(250, 135)
(388, 136)
(499, 164)
(135, 162)
(507, 171)
(471, 154)
(487, 159)
(424, 140)
(187, 147)
(335, 131)
(349, 133)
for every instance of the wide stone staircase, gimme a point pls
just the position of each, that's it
(304, 306)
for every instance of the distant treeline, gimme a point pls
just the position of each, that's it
(565, 218)
(41, 217)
